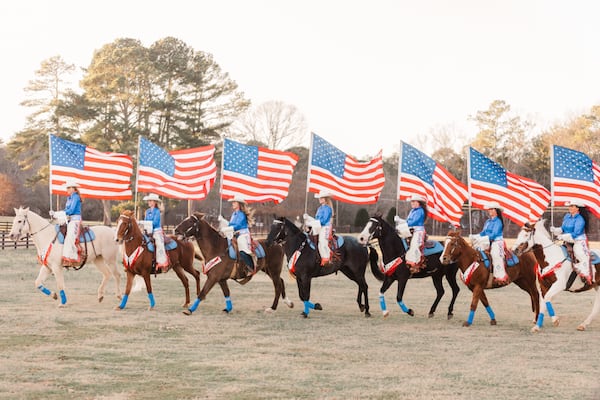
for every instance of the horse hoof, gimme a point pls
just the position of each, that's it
(54, 296)
(290, 304)
(466, 324)
(187, 312)
(581, 328)
(62, 306)
(318, 306)
(305, 315)
(226, 311)
(361, 308)
(493, 322)
(450, 316)
(100, 299)
(117, 308)
(386, 314)
(185, 305)
(411, 312)
(556, 322)
(535, 329)
(431, 315)
(367, 314)
(151, 308)
(269, 310)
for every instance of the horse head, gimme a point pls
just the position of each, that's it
(127, 227)
(372, 230)
(524, 241)
(277, 232)
(190, 226)
(454, 245)
(20, 226)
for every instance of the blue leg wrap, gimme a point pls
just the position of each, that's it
(151, 298)
(195, 305)
(382, 302)
(540, 321)
(403, 306)
(63, 297)
(490, 312)
(124, 301)
(44, 290)
(550, 309)
(471, 316)
(308, 306)
(228, 304)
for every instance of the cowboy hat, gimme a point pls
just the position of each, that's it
(494, 205)
(322, 194)
(577, 203)
(416, 197)
(71, 183)
(237, 199)
(152, 196)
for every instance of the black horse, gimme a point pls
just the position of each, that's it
(393, 249)
(302, 255)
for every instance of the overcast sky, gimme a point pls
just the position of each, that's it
(365, 74)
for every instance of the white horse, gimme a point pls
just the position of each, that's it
(102, 251)
(554, 274)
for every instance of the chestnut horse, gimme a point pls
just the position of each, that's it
(220, 267)
(476, 275)
(554, 270)
(393, 249)
(138, 259)
(302, 255)
(102, 251)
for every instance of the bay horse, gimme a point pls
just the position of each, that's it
(220, 267)
(393, 249)
(476, 275)
(138, 259)
(555, 268)
(302, 256)
(102, 251)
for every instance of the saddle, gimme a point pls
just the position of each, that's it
(170, 244)
(85, 235)
(334, 242)
(240, 272)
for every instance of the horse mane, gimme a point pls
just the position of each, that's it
(289, 223)
(540, 226)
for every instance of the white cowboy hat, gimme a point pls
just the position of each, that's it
(323, 193)
(71, 183)
(577, 203)
(416, 197)
(494, 205)
(152, 196)
(237, 199)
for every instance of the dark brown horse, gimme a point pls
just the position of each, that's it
(476, 275)
(220, 267)
(139, 260)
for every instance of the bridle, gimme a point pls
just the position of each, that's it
(376, 229)
(26, 221)
(128, 228)
(281, 236)
(192, 230)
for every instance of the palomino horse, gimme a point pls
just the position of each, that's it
(138, 259)
(393, 249)
(102, 251)
(220, 267)
(476, 275)
(554, 270)
(301, 253)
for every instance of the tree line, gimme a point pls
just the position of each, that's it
(179, 97)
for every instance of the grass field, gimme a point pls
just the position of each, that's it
(90, 351)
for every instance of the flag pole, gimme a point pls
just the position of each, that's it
(137, 175)
(399, 177)
(469, 189)
(221, 179)
(50, 168)
(551, 185)
(310, 151)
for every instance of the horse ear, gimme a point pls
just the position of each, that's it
(378, 214)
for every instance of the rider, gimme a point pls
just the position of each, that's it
(573, 230)
(322, 224)
(416, 220)
(73, 212)
(492, 231)
(241, 218)
(153, 214)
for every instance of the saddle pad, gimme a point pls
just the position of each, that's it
(169, 244)
(87, 236)
(594, 257)
(436, 248)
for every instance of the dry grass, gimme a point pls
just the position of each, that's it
(90, 351)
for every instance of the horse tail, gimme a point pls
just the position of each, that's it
(374, 261)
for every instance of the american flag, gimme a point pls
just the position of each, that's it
(575, 176)
(256, 173)
(345, 178)
(421, 175)
(523, 199)
(180, 174)
(100, 175)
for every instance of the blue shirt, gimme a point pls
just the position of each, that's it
(238, 220)
(324, 213)
(493, 229)
(575, 225)
(416, 218)
(153, 214)
(73, 205)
